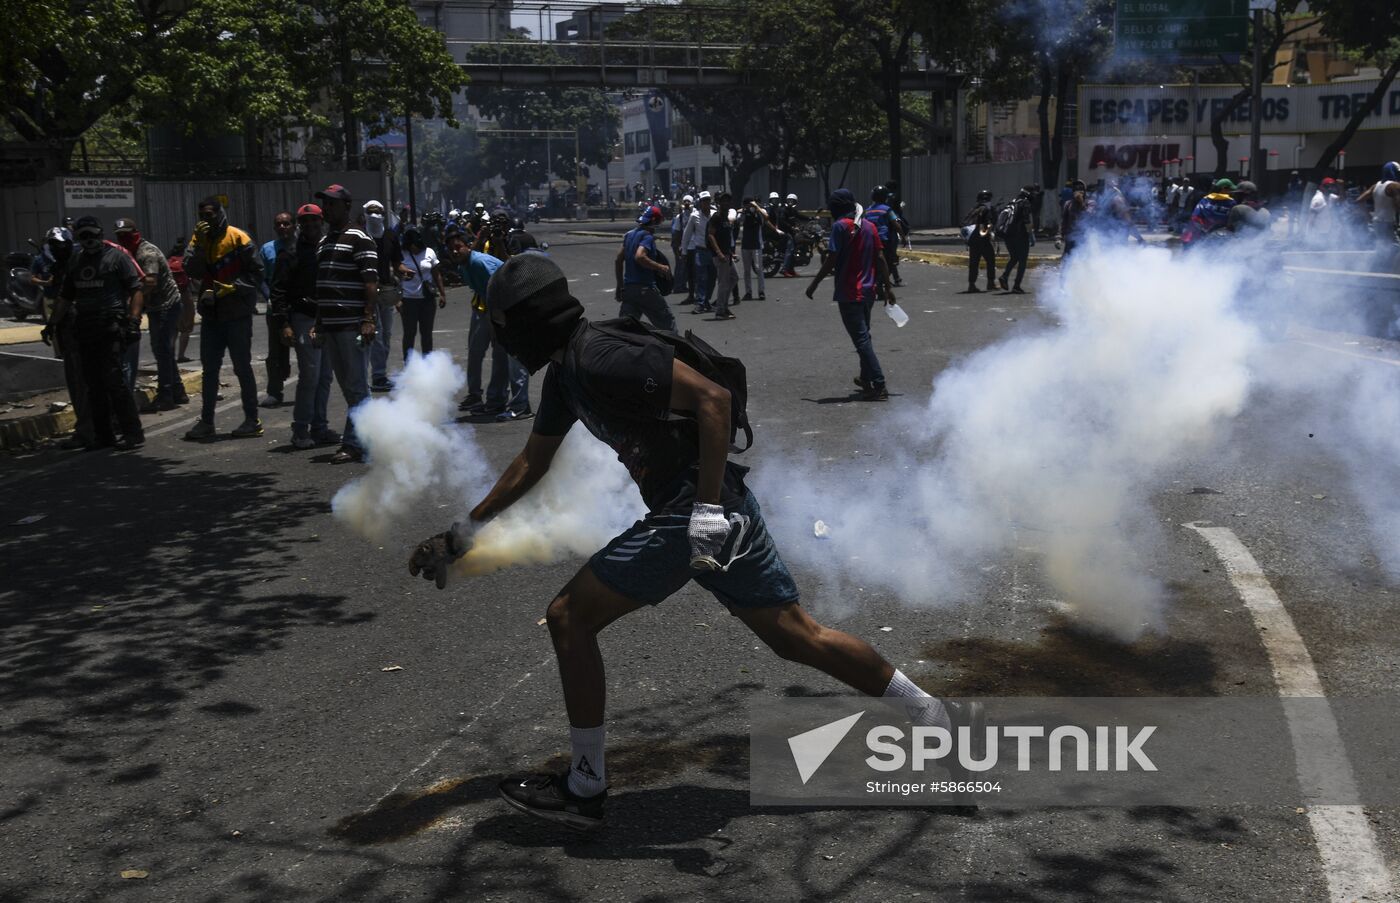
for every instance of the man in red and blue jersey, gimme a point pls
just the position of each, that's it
(857, 257)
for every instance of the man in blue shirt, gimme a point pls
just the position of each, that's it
(278, 360)
(476, 269)
(886, 225)
(636, 271)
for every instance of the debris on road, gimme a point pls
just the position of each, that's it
(1204, 490)
(1319, 496)
(31, 519)
(392, 668)
(886, 629)
(58, 407)
(820, 530)
(135, 873)
(541, 622)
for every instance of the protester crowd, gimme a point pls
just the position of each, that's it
(338, 280)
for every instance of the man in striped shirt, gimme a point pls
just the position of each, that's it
(347, 291)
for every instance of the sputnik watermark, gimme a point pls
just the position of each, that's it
(1041, 751)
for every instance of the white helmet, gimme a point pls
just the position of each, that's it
(773, 196)
(792, 197)
(687, 200)
(454, 213)
(480, 206)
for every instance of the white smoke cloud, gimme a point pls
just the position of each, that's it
(1064, 432)
(418, 456)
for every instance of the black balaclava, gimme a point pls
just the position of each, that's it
(532, 313)
(842, 203)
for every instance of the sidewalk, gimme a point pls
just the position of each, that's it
(13, 332)
(29, 421)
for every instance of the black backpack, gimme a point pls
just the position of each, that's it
(694, 352)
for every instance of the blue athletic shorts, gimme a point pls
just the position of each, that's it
(651, 560)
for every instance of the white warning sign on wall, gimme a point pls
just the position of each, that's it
(99, 191)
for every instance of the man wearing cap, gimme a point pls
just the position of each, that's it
(347, 298)
(683, 260)
(292, 307)
(102, 285)
(671, 428)
(222, 260)
(856, 258)
(390, 251)
(279, 361)
(161, 304)
(636, 273)
(1211, 212)
(702, 264)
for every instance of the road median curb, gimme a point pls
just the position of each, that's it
(27, 431)
(20, 335)
(953, 259)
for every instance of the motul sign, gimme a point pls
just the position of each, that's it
(1133, 156)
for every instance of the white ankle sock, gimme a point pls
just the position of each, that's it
(928, 711)
(587, 776)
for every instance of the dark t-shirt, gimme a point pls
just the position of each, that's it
(621, 390)
(751, 230)
(724, 235)
(100, 284)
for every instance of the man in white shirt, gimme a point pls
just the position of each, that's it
(693, 240)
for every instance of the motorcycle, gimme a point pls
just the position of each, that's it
(532, 214)
(24, 297)
(809, 236)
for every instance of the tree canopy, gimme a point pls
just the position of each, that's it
(221, 66)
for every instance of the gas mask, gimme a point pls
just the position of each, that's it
(90, 240)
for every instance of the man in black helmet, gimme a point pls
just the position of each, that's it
(102, 285)
(671, 427)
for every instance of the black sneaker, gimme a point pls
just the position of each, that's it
(1002, 282)
(875, 393)
(748, 296)
(973, 716)
(762, 297)
(973, 290)
(726, 315)
(469, 402)
(547, 797)
(381, 385)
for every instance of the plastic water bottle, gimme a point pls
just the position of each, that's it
(897, 314)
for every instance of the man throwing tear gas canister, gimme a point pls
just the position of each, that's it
(672, 428)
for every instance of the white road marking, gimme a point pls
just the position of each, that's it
(1351, 858)
(1364, 357)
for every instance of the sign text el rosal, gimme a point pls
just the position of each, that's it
(1107, 110)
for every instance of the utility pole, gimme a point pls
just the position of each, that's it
(1257, 162)
(412, 188)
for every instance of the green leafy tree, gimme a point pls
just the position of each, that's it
(1370, 29)
(220, 66)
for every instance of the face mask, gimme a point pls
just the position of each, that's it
(533, 329)
(374, 224)
(91, 244)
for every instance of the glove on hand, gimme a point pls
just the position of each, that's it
(435, 554)
(223, 289)
(709, 529)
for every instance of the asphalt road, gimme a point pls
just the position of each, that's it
(193, 686)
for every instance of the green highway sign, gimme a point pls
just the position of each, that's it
(1181, 28)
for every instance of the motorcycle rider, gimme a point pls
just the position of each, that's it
(789, 222)
(102, 286)
(61, 334)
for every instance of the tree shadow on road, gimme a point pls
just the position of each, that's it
(143, 583)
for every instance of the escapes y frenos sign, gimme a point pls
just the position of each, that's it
(1148, 110)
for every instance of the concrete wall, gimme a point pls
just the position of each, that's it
(167, 209)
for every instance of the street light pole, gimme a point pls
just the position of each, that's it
(412, 188)
(1256, 103)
